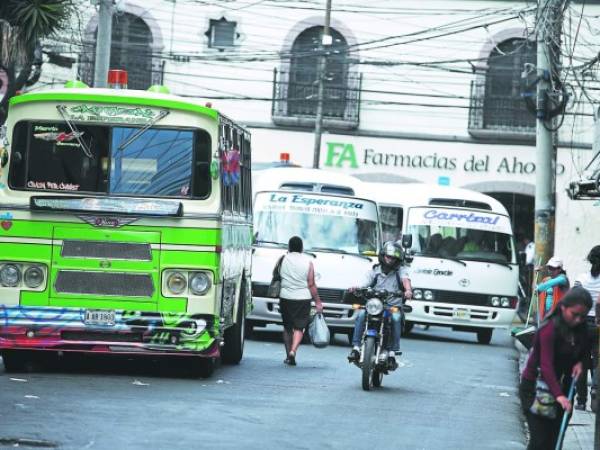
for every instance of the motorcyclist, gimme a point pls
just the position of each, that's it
(390, 274)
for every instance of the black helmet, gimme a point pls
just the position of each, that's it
(389, 248)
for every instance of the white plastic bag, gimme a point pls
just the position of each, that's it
(318, 331)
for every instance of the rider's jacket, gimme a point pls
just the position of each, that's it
(392, 281)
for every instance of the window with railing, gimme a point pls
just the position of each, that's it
(296, 90)
(498, 109)
(131, 50)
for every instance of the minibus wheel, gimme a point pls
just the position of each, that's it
(14, 361)
(484, 335)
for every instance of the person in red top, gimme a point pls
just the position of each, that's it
(559, 348)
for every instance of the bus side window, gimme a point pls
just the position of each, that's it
(202, 178)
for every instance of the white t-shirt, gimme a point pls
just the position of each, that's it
(294, 276)
(592, 285)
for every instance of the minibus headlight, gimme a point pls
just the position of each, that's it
(33, 277)
(417, 294)
(10, 275)
(199, 283)
(428, 295)
(495, 301)
(505, 302)
(374, 306)
(176, 282)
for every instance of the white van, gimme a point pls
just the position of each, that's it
(340, 230)
(464, 273)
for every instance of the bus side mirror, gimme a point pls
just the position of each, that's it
(3, 157)
(522, 259)
(407, 240)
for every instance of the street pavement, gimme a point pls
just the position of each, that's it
(580, 433)
(449, 393)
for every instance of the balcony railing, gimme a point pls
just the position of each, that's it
(499, 117)
(295, 102)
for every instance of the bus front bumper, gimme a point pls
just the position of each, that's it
(106, 331)
(339, 317)
(459, 316)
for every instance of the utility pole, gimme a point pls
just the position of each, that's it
(103, 42)
(326, 41)
(548, 28)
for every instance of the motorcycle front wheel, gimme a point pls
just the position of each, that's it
(368, 364)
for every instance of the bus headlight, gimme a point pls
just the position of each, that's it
(417, 294)
(495, 301)
(10, 275)
(428, 295)
(176, 283)
(505, 302)
(33, 277)
(199, 283)
(374, 306)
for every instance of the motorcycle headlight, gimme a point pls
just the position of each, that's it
(199, 283)
(417, 294)
(495, 301)
(33, 277)
(10, 275)
(176, 283)
(428, 295)
(374, 306)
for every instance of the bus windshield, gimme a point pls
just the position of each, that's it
(475, 236)
(324, 222)
(159, 162)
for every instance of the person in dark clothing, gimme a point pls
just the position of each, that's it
(560, 347)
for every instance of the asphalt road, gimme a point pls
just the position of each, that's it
(449, 393)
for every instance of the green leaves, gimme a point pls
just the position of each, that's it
(36, 18)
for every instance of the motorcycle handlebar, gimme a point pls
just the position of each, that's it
(361, 294)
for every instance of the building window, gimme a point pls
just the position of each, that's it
(131, 50)
(498, 109)
(221, 34)
(297, 84)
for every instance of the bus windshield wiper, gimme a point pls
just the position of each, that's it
(338, 250)
(161, 115)
(278, 244)
(491, 261)
(62, 110)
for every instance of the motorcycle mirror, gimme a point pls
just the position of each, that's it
(407, 240)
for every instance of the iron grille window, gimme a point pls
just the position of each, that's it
(503, 104)
(303, 81)
(131, 50)
(221, 33)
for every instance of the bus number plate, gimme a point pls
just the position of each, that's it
(461, 314)
(99, 317)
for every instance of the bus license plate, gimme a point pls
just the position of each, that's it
(461, 314)
(99, 317)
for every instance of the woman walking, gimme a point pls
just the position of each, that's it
(560, 346)
(591, 281)
(298, 288)
(552, 288)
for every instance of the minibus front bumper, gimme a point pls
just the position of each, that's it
(106, 331)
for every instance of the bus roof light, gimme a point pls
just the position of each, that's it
(117, 79)
(284, 158)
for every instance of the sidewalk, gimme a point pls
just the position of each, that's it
(580, 433)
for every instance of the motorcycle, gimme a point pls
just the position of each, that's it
(377, 333)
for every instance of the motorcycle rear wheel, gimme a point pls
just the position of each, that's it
(368, 365)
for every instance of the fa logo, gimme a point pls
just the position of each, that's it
(339, 153)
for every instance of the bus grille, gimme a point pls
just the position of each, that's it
(100, 336)
(104, 283)
(462, 298)
(106, 250)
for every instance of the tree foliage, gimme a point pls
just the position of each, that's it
(23, 24)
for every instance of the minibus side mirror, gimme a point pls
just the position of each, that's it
(407, 240)
(522, 259)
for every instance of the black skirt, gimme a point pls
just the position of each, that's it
(295, 314)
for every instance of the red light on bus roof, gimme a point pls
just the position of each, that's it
(284, 157)
(117, 79)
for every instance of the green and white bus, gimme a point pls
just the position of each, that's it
(125, 227)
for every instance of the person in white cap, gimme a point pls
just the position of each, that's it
(553, 287)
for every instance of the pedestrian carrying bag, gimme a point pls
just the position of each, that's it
(318, 331)
(274, 288)
(544, 404)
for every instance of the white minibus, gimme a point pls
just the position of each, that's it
(464, 273)
(339, 229)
